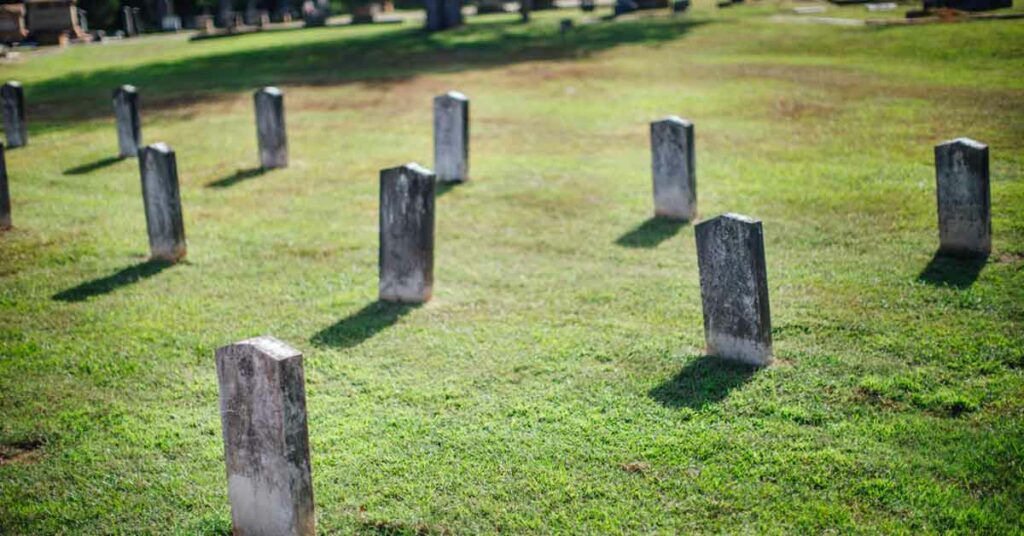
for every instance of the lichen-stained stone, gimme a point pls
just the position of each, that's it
(674, 169)
(964, 203)
(5, 194)
(406, 257)
(159, 171)
(12, 98)
(451, 137)
(734, 289)
(270, 129)
(266, 439)
(129, 126)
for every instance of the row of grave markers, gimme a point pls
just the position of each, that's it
(261, 381)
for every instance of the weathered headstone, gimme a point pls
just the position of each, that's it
(129, 128)
(15, 126)
(443, 14)
(406, 258)
(734, 289)
(674, 170)
(266, 438)
(159, 171)
(451, 137)
(5, 193)
(270, 131)
(962, 189)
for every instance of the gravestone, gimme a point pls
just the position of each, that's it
(15, 126)
(270, 131)
(734, 289)
(129, 127)
(266, 439)
(51, 21)
(159, 171)
(12, 23)
(443, 14)
(406, 257)
(5, 194)
(674, 170)
(962, 190)
(451, 137)
(128, 21)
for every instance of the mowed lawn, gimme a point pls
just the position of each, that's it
(557, 381)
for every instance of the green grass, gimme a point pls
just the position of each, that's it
(557, 382)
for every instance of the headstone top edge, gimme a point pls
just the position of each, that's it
(270, 90)
(266, 345)
(126, 88)
(13, 83)
(456, 95)
(410, 166)
(730, 216)
(973, 144)
(674, 119)
(160, 147)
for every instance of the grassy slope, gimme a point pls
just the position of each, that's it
(565, 337)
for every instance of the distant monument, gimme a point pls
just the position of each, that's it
(50, 21)
(12, 23)
(443, 14)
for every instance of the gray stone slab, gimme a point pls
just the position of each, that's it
(443, 14)
(159, 171)
(129, 126)
(964, 203)
(5, 193)
(12, 98)
(270, 129)
(451, 137)
(674, 169)
(734, 289)
(406, 258)
(266, 438)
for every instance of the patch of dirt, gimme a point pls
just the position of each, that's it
(636, 467)
(23, 452)
(1010, 257)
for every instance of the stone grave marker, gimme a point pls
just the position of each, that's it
(12, 96)
(270, 130)
(129, 127)
(734, 289)
(964, 203)
(159, 170)
(5, 193)
(266, 438)
(674, 169)
(451, 137)
(406, 257)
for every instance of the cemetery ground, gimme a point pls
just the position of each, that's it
(556, 383)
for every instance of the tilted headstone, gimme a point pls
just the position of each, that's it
(266, 439)
(270, 131)
(129, 127)
(962, 189)
(5, 193)
(406, 257)
(159, 171)
(734, 289)
(451, 137)
(672, 164)
(12, 96)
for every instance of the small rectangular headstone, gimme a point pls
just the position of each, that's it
(962, 189)
(129, 127)
(159, 171)
(674, 170)
(5, 194)
(451, 137)
(270, 131)
(266, 438)
(734, 289)
(12, 98)
(406, 258)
